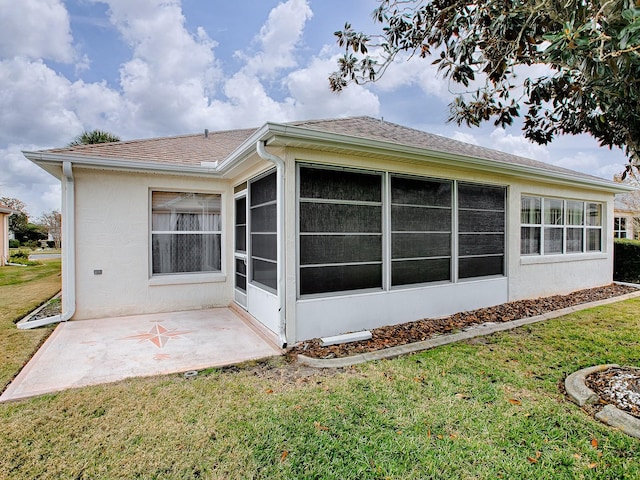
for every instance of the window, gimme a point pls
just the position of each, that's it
(619, 227)
(264, 250)
(185, 232)
(340, 227)
(551, 226)
(372, 230)
(481, 230)
(420, 230)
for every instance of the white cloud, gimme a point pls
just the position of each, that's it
(24, 180)
(414, 71)
(34, 104)
(278, 39)
(313, 98)
(35, 29)
(517, 145)
(465, 137)
(172, 72)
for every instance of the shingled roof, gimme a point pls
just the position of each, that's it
(191, 150)
(180, 150)
(374, 129)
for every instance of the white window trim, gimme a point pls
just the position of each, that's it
(585, 229)
(155, 279)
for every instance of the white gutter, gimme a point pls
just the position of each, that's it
(280, 238)
(68, 254)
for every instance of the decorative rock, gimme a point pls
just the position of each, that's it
(578, 390)
(616, 418)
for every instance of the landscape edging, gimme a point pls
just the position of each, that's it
(471, 332)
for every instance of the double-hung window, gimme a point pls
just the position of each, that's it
(186, 232)
(620, 227)
(552, 226)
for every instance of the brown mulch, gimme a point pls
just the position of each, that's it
(391, 336)
(619, 386)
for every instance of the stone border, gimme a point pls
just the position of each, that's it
(33, 313)
(471, 332)
(610, 414)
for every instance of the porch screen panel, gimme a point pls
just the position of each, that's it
(481, 230)
(420, 230)
(186, 232)
(340, 230)
(263, 229)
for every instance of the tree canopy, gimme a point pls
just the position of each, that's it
(591, 49)
(94, 136)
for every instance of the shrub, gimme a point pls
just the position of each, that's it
(51, 243)
(13, 243)
(626, 260)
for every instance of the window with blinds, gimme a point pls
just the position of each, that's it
(186, 232)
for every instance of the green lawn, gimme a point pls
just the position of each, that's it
(484, 409)
(22, 289)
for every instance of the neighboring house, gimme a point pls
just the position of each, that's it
(626, 219)
(322, 227)
(5, 212)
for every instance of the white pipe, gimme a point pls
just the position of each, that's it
(68, 254)
(280, 239)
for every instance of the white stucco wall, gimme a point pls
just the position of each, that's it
(536, 276)
(113, 235)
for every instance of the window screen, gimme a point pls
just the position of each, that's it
(340, 226)
(263, 231)
(481, 230)
(420, 230)
(186, 231)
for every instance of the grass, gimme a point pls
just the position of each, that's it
(22, 289)
(484, 409)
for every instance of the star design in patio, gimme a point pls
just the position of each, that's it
(158, 335)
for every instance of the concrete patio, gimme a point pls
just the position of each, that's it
(89, 352)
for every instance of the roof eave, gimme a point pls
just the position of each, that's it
(288, 135)
(49, 158)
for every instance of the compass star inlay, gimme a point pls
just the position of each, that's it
(158, 335)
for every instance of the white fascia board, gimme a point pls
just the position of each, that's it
(46, 158)
(289, 135)
(246, 148)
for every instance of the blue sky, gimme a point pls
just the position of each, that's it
(145, 68)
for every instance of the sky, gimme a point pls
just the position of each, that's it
(149, 68)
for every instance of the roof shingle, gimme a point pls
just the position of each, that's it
(193, 149)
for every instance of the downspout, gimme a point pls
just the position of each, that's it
(280, 239)
(68, 254)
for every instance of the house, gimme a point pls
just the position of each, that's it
(323, 227)
(626, 216)
(5, 212)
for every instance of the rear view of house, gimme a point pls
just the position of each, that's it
(319, 228)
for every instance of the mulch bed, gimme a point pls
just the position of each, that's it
(391, 336)
(619, 386)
